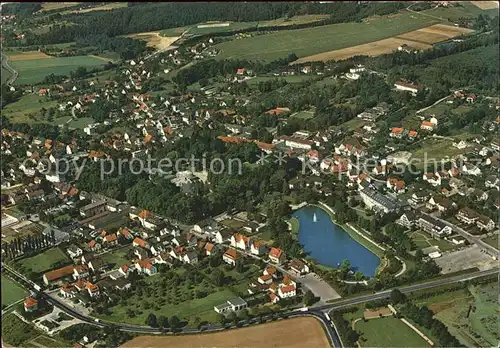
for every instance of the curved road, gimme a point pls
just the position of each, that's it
(327, 324)
(318, 311)
(13, 74)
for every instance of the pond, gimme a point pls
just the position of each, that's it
(328, 244)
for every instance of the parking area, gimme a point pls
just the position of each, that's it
(69, 302)
(55, 321)
(466, 258)
(319, 287)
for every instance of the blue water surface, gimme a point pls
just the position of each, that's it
(328, 244)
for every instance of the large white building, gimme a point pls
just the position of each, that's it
(375, 200)
(232, 305)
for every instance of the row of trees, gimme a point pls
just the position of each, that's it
(28, 245)
(425, 317)
(212, 68)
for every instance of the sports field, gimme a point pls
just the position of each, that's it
(290, 333)
(33, 67)
(311, 41)
(388, 332)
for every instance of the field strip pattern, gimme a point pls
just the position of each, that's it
(420, 39)
(485, 5)
(31, 55)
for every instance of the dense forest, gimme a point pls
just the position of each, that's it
(139, 17)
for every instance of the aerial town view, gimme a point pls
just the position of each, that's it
(250, 174)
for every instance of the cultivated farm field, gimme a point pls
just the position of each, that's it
(485, 5)
(33, 67)
(465, 9)
(290, 333)
(434, 33)
(50, 6)
(418, 39)
(30, 55)
(311, 41)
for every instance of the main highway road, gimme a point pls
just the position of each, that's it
(318, 312)
(13, 73)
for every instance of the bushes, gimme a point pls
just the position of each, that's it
(349, 336)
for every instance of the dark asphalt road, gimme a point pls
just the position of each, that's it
(317, 312)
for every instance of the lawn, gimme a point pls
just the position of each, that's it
(11, 292)
(44, 261)
(28, 104)
(353, 124)
(434, 150)
(493, 241)
(303, 115)
(288, 79)
(309, 41)
(442, 107)
(368, 245)
(423, 240)
(15, 331)
(233, 224)
(81, 122)
(35, 70)
(388, 332)
(117, 257)
(295, 225)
